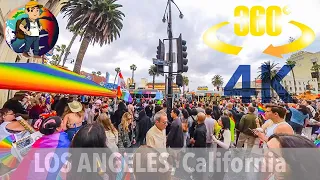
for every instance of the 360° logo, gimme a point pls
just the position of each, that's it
(257, 21)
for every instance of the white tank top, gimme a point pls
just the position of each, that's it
(270, 131)
(4, 133)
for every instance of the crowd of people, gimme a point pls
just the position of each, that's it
(119, 127)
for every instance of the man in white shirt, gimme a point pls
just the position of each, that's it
(156, 136)
(209, 122)
(31, 27)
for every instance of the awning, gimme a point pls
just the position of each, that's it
(47, 78)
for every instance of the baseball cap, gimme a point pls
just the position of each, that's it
(32, 4)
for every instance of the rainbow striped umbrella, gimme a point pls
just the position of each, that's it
(47, 78)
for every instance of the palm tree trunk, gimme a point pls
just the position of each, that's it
(61, 54)
(153, 80)
(68, 48)
(294, 82)
(82, 51)
(132, 76)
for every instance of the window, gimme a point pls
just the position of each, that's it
(299, 83)
(300, 89)
(290, 88)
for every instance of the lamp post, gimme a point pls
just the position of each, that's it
(170, 61)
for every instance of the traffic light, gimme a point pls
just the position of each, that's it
(160, 57)
(182, 55)
(160, 51)
(179, 80)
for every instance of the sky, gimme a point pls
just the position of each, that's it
(143, 26)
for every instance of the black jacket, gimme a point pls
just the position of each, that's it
(175, 137)
(200, 135)
(144, 124)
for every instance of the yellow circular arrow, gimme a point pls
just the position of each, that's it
(307, 37)
(211, 40)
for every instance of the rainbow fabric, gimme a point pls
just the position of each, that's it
(46, 78)
(6, 158)
(317, 143)
(232, 128)
(57, 143)
(261, 110)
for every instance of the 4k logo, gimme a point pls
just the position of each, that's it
(259, 21)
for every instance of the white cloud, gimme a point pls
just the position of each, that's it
(143, 28)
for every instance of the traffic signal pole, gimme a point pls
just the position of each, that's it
(170, 75)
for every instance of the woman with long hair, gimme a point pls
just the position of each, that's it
(90, 141)
(223, 144)
(298, 155)
(110, 130)
(126, 133)
(73, 118)
(299, 117)
(54, 140)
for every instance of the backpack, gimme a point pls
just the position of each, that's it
(19, 33)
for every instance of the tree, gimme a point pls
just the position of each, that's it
(99, 73)
(101, 22)
(94, 73)
(118, 70)
(60, 49)
(153, 72)
(217, 81)
(185, 82)
(75, 35)
(133, 68)
(266, 76)
(55, 59)
(292, 64)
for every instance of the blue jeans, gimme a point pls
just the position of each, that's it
(29, 40)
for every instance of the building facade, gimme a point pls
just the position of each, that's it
(6, 54)
(304, 62)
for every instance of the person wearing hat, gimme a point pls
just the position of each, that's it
(73, 118)
(31, 27)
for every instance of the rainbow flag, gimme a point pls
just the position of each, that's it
(57, 143)
(262, 110)
(47, 78)
(317, 143)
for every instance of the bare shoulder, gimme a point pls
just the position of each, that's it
(284, 128)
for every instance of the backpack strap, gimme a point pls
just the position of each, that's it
(28, 23)
(38, 22)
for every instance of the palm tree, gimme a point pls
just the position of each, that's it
(217, 81)
(55, 59)
(292, 64)
(60, 49)
(117, 71)
(94, 73)
(75, 35)
(266, 76)
(99, 73)
(153, 72)
(185, 82)
(133, 67)
(315, 68)
(101, 22)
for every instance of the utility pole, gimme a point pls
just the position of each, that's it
(170, 91)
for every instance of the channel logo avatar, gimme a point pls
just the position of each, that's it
(259, 21)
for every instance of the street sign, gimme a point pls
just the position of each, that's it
(159, 62)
